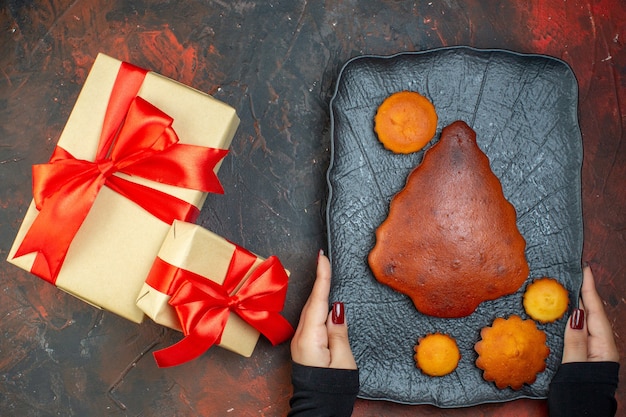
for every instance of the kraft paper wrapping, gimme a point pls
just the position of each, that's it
(193, 248)
(113, 251)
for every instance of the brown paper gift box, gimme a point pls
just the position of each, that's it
(198, 250)
(112, 253)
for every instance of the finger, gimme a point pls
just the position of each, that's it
(599, 324)
(321, 288)
(339, 345)
(601, 343)
(309, 345)
(315, 310)
(574, 343)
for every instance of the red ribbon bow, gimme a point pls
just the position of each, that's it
(146, 146)
(203, 306)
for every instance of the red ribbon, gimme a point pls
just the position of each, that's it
(203, 306)
(137, 139)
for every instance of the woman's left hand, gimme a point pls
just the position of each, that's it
(321, 339)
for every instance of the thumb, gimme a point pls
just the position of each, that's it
(575, 338)
(338, 343)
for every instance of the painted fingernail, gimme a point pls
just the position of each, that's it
(319, 253)
(578, 319)
(338, 315)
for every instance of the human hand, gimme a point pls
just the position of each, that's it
(589, 335)
(321, 339)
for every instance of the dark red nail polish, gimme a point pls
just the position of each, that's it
(338, 316)
(578, 319)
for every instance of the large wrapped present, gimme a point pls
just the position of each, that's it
(216, 292)
(138, 151)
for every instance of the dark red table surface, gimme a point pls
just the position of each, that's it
(276, 63)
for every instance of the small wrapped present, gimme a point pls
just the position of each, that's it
(138, 151)
(216, 292)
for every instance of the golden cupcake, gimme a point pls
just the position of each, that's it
(437, 354)
(546, 300)
(511, 352)
(405, 122)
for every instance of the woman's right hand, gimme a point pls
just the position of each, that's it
(589, 335)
